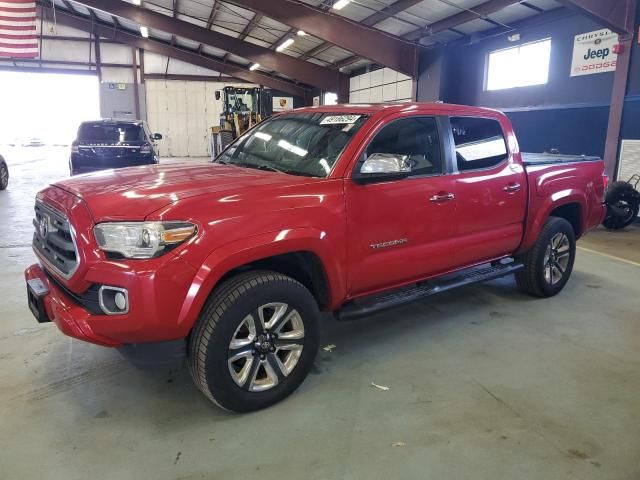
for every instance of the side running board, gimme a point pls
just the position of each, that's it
(383, 301)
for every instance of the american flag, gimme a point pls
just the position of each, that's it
(18, 37)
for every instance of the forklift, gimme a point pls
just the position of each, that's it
(242, 108)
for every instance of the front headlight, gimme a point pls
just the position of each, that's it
(141, 239)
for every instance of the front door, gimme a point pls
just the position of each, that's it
(398, 230)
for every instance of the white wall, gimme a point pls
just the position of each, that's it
(378, 86)
(184, 112)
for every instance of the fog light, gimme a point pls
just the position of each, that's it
(113, 300)
(120, 300)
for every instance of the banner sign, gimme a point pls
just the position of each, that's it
(593, 53)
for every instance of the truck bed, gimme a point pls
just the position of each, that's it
(547, 158)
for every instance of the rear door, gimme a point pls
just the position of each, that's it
(399, 230)
(491, 188)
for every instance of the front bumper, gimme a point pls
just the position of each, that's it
(157, 289)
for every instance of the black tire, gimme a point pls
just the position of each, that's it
(4, 175)
(224, 314)
(623, 205)
(538, 278)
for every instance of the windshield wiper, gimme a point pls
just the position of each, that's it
(256, 166)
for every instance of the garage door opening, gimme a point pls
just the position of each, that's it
(41, 113)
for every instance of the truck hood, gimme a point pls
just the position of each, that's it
(134, 193)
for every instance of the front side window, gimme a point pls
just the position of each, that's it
(479, 143)
(307, 144)
(416, 138)
(520, 66)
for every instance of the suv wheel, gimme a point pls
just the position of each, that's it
(4, 176)
(255, 341)
(548, 265)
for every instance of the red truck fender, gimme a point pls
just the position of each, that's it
(260, 247)
(544, 206)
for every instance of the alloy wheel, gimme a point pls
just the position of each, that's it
(266, 347)
(556, 258)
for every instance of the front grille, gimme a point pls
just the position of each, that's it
(53, 239)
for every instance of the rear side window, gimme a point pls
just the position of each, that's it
(479, 142)
(416, 138)
(109, 133)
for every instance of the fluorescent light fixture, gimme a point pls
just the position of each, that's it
(301, 33)
(301, 152)
(340, 4)
(144, 31)
(137, 2)
(284, 44)
(263, 136)
(255, 66)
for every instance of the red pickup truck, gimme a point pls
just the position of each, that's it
(344, 209)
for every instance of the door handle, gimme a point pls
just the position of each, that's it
(442, 197)
(512, 188)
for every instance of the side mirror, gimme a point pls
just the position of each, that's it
(379, 167)
(157, 136)
(217, 94)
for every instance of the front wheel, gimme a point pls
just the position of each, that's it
(548, 265)
(255, 341)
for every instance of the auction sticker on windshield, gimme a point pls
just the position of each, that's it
(340, 120)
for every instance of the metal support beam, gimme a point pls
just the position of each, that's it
(618, 15)
(618, 93)
(373, 44)
(107, 31)
(370, 21)
(191, 78)
(306, 72)
(481, 11)
(136, 90)
(389, 11)
(98, 57)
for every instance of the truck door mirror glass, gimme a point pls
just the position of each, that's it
(157, 136)
(383, 166)
(386, 163)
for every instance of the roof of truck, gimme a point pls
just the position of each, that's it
(370, 109)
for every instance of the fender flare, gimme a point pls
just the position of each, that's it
(543, 211)
(236, 254)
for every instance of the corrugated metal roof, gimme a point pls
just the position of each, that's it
(236, 21)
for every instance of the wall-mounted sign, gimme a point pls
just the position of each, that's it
(593, 53)
(282, 104)
(117, 86)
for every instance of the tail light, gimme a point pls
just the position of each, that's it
(74, 147)
(145, 149)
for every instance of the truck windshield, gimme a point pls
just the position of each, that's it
(109, 133)
(306, 144)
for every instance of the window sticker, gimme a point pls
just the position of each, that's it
(340, 120)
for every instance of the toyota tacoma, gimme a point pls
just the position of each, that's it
(343, 209)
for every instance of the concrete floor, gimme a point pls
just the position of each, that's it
(484, 383)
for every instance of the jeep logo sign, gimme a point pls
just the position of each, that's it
(593, 53)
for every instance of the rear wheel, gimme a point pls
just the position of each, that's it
(255, 341)
(623, 205)
(4, 176)
(548, 265)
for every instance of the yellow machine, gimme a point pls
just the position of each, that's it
(242, 108)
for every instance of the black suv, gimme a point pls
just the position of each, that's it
(107, 144)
